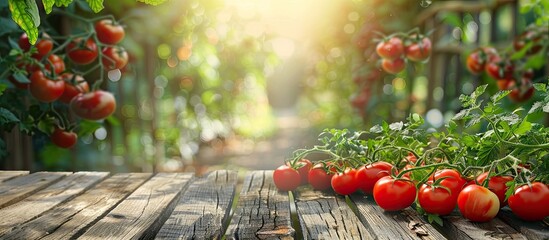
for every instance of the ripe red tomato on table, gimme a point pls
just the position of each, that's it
(344, 183)
(114, 58)
(393, 66)
(319, 178)
(452, 180)
(436, 200)
(73, 89)
(394, 194)
(368, 175)
(286, 178)
(391, 48)
(108, 32)
(45, 89)
(530, 203)
(419, 50)
(95, 105)
(497, 185)
(303, 166)
(62, 138)
(82, 52)
(478, 203)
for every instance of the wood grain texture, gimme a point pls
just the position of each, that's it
(6, 175)
(538, 230)
(202, 208)
(327, 216)
(46, 199)
(19, 188)
(457, 227)
(142, 213)
(68, 219)
(262, 212)
(405, 224)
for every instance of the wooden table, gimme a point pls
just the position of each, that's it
(98, 205)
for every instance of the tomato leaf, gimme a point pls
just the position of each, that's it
(25, 14)
(152, 2)
(7, 117)
(3, 88)
(434, 218)
(63, 3)
(95, 5)
(523, 128)
(535, 107)
(48, 5)
(499, 95)
(542, 87)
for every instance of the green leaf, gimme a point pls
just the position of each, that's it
(7, 117)
(523, 128)
(479, 91)
(152, 2)
(63, 3)
(88, 127)
(499, 95)
(537, 61)
(542, 87)
(48, 5)
(520, 54)
(3, 87)
(535, 107)
(25, 14)
(95, 5)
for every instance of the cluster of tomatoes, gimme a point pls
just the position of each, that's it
(394, 50)
(438, 195)
(42, 71)
(504, 70)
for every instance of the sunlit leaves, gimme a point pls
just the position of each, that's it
(25, 14)
(152, 2)
(95, 5)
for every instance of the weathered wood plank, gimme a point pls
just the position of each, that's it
(203, 208)
(46, 199)
(405, 224)
(327, 216)
(6, 175)
(532, 230)
(15, 189)
(262, 211)
(458, 227)
(68, 219)
(141, 214)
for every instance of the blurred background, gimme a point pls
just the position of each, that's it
(244, 83)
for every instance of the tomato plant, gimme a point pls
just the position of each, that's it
(530, 202)
(394, 194)
(62, 138)
(94, 105)
(478, 203)
(108, 32)
(345, 183)
(286, 178)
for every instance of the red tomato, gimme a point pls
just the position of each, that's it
(393, 195)
(74, 85)
(505, 84)
(360, 100)
(62, 138)
(81, 53)
(528, 73)
(93, 105)
(390, 49)
(345, 183)
(476, 61)
(478, 203)
(319, 178)
(393, 66)
(286, 178)
(452, 180)
(496, 185)
(52, 61)
(527, 37)
(114, 58)
(108, 32)
(530, 204)
(500, 68)
(24, 43)
(419, 51)
(43, 46)
(303, 167)
(436, 200)
(45, 89)
(523, 92)
(411, 158)
(368, 175)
